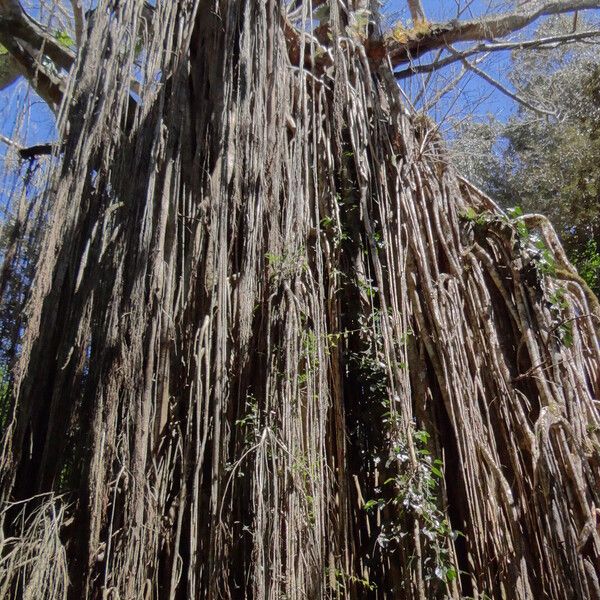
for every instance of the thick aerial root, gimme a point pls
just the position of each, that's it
(33, 561)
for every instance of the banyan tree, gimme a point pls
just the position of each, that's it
(273, 345)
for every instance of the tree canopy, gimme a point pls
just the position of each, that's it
(547, 163)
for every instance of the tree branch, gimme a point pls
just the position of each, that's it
(9, 70)
(9, 142)
(16, 23)
(79, 20)
(541, 43)
(48, 85)
(445, 90)
(501, 88)
(416, 10)
(496, 26)
(29, 152)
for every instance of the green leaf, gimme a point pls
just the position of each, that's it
(437, 472)
(322, 13)
(62, 37)
(326, 222)
(514, 212)
(371, 504)
(522, 230)
(470, 214)
(422, 436)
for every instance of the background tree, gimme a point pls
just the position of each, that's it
(275, 346)
(547, 163)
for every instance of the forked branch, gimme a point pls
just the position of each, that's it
(540, 43)
(502, 88)
(17, 24)
(406, 46)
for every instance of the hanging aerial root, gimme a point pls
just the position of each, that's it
(277, 348)
(33, 560)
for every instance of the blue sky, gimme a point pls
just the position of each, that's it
(475, 95)
(38, 121)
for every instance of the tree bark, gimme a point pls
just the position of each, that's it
(262, 314)
(416, 10)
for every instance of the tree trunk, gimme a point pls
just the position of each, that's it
(262, 319)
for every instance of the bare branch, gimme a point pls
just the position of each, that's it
(29, 152)
(17, 24)
(541, 43)
(451, 85)
(497, 26)
(9, 142)
(416, 10)
(445, 90)
(426, 80)
(502, 88)
(79, 19)
(47, 84)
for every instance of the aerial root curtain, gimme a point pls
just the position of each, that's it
(277, 348)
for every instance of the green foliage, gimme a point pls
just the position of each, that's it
(327, 222)
(411, 492)
(273, 259)
(587, 261)
(368, 288)
(9, 70)
(249, 424)
(542, 260)
(282, 266)
(416, 497)
(534, 246)
(470, 214)
(543, 257)
(367, 363)
(342, 579)
(62, 37)
(563, 328)
(322, 13)
(371, 505)
(549, 165)
(311, 355)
